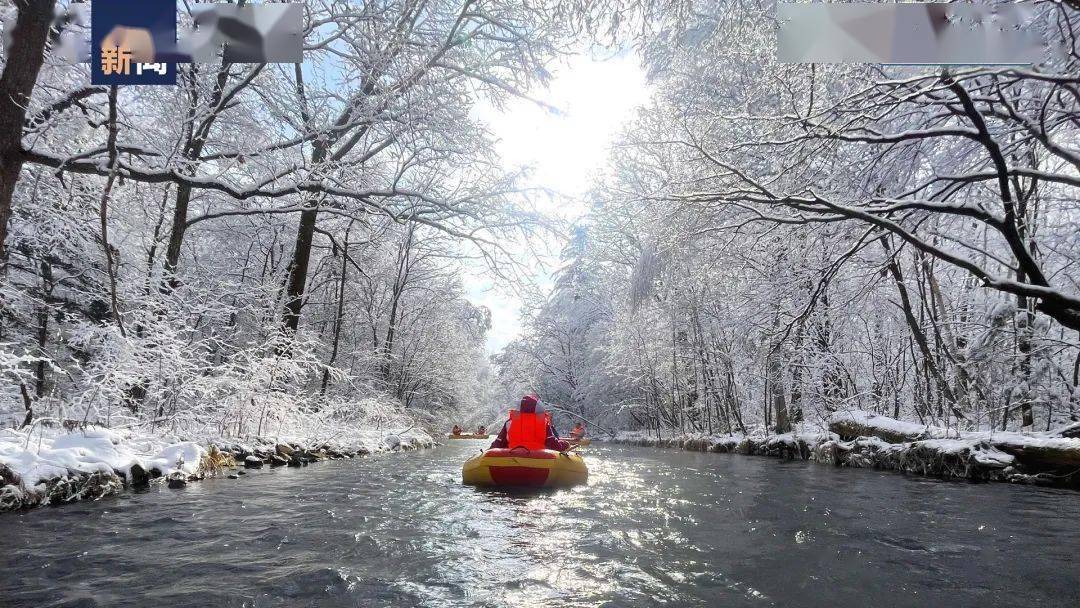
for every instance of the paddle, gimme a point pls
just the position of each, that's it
(563, 410)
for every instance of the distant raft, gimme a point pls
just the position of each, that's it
(467, 436)
(524, 468)
(584, 441)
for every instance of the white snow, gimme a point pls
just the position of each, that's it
(892, 425)
(181, 457)
(995, 450)
(729, 442)
(45, 454)
(981, 451)
(392, 441)
(49, 453)
(41, 453)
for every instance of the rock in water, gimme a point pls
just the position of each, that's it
(253, 462)
(11, 497)
(139, 477)
(240, 452)
(99, 484)
(234, 475)
(7, 476)
(177, 480)
(284, 450)
(58, 490)
(243, 472)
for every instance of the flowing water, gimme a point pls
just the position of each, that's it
(652, 527)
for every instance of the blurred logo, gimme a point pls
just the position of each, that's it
(135, 42)
(115, 60)
(131, 42)
(919, 33)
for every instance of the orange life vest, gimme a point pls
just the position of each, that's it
(528, 430)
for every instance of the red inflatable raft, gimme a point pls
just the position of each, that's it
(522, 467)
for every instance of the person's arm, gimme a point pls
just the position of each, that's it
(501, 441)
(552, 442)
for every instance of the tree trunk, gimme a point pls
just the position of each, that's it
(26, 54)
(913, 325)
(339, 318)
(778, 390)
(192, 151)
(103, 215)
(1023, 323)
(1076, 368)
(305, 231)
(400, 281)
(28, 403)
(795, 410)
(298, 268)
(176, 236)
(43, 328)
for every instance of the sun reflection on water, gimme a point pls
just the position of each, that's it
(574, 547)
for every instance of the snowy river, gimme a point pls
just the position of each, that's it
(653, 527)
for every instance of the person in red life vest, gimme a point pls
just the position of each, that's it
(456, 430)
(578, 432)
(530, 426)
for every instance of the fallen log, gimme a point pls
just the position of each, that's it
(1041, 451)
(1056, 451)
(857, 423)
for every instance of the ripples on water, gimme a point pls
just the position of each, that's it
(652, 527)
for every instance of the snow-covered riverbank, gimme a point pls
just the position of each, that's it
(866, 440)
(49, 466)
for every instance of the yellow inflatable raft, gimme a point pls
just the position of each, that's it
(520, 467)
(467, 436)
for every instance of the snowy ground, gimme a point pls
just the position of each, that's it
(867, 440)
(45, 465)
